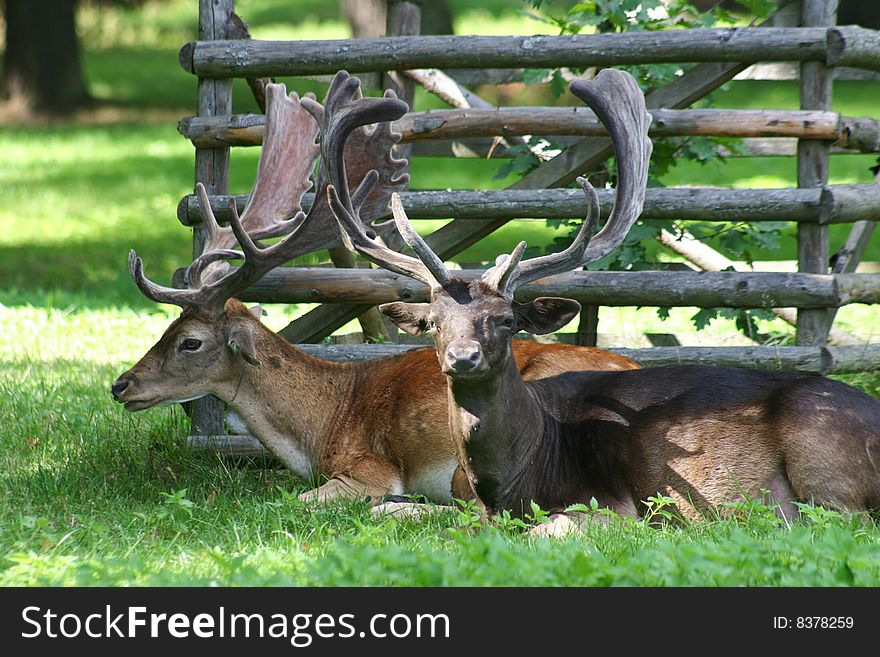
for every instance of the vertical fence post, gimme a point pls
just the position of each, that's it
(812, 170)
(403, 19)
(212, 170)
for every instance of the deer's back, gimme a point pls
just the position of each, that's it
(704, 435)
(538, 361)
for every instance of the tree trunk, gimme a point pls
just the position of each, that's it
(366, 17)
(437, 17)
(41, 65)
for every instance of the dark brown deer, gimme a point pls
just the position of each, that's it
(371, 428)
(701, 435)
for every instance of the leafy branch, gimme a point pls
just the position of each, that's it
(736, 240)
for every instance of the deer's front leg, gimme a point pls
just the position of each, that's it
(462, 488)
(369, 477)
(337, 488)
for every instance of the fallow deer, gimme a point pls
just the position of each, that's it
(701, 435)
(371, 428)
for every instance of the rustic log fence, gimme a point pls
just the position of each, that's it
(813, 133)
(832, 204)
(832, 46)
(847, 132)
(607, 288)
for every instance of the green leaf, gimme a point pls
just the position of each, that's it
(583, 7)
(535, 75)
(702, 318)
(558, 85)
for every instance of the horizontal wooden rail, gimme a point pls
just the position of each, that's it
(771, 147)
(249, 129)
(853, 134)
(853, 46)
(607, 288)
(839, 46)
(833, 204)
(816, 360)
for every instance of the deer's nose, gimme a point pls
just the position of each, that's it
(118, 388)
(464, 356)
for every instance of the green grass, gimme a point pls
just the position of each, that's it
(94, 495)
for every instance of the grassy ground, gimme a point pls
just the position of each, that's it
(97, 496)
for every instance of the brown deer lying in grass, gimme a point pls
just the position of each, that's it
(372, 428)
(701, 435)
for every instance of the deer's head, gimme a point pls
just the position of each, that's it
(473, 321)
(199, 354)
(215, 336)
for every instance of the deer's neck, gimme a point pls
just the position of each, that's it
(499, 423)
(288, 401)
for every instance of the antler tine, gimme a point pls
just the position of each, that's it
(195, 273)
(498, 276)
(431, 260)
(619, 103)
(151, 290)
(214, 251)
(356, 239)
(209, 221)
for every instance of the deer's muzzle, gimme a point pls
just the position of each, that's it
(119, 386)
(464, 357)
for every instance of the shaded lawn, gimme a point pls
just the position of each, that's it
(94, 495)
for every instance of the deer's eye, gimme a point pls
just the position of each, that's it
(504, 322)
(190, 344)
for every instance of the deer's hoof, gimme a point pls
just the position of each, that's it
(558, 526)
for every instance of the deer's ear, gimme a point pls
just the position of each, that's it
(240, 341)
(412, 318)
(545, 314)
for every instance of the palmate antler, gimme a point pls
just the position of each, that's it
(275, 205)
(619, 103)
(365, 150)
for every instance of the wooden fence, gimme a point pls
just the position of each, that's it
(812, 133)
